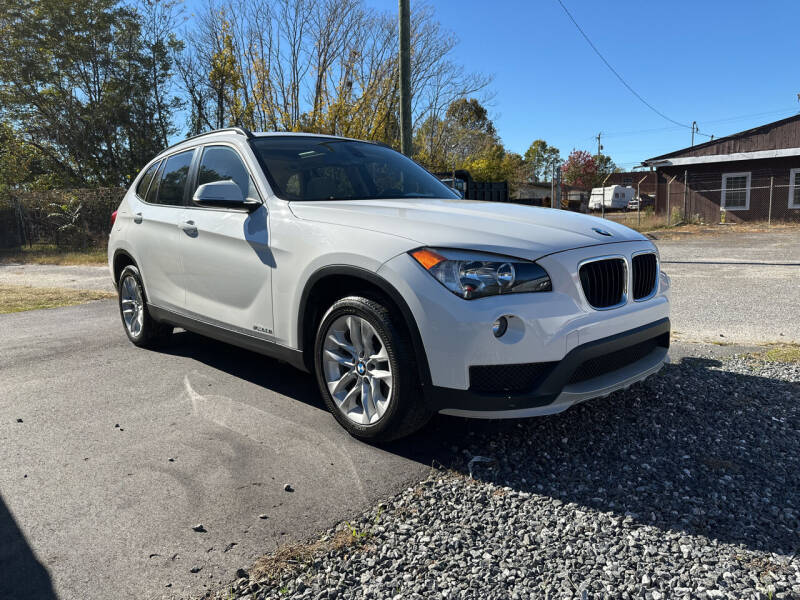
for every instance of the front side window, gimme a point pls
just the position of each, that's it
(221, 163)
(794, 188)
(144, 182)
(313, 168)
(173, 179)
(736, 191)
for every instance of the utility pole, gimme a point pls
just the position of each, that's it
(405, 77)
(694, 129)
(599, 145)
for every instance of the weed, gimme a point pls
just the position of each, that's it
(18, 298)
(358, 535)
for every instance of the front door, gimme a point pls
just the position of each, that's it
(227, 263)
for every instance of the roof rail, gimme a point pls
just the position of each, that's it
(240, 130)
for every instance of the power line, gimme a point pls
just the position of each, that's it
(634, 132)
(614, 71)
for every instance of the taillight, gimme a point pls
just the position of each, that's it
(113, 218)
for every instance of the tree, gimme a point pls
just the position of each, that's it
(540, 159)
(605, 166)
(23, 166)
(77, 83)
(158, 21)
(325, 66)
(486, 165)
(468, 138)
(580, 170)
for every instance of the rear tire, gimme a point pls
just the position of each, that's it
(142, 330)
(366, 371)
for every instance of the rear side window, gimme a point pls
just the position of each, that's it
(144, 182)
(152, 193)
(173, 179)
(220, 163)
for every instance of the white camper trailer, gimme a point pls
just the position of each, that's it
(612, 197)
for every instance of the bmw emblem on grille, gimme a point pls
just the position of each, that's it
(601, 231)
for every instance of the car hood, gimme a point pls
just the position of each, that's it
(524, 231)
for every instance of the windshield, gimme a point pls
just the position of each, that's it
(315, 168)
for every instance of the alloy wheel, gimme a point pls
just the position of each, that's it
(357, 369)
(132, 305)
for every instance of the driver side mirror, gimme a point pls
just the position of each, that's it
(223, 194)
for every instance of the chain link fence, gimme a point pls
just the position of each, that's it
(764, 198)
(79, 218)
(733, 198)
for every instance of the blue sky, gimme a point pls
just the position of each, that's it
(722, 63)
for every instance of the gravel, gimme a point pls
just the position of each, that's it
(684, 486)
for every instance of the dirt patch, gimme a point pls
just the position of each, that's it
(20, 298)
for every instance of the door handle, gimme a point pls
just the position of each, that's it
(189, 227)
(137, 218)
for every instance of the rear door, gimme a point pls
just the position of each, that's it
(226, 255)
(157, 235)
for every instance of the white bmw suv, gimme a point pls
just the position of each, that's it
(348, 260)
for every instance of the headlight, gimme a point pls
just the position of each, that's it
(477, 274)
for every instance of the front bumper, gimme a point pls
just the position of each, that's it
(456, 334)
(554, 390)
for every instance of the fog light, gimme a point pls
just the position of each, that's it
(499, 327)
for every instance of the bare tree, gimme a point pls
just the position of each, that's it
(326, 66)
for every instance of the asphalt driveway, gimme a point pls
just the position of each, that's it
(121, 451)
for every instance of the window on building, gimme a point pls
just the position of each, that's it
(627, 181)
(736, 191)
(794, 188)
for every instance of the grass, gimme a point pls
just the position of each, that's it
(649, 221)
(784, 353)
(294, 557)
(50, 254)
(658, 222)
(18, 298)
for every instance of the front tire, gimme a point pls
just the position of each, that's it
(141, 329)
(366, 371)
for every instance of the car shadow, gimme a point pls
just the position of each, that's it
(21, 573)
(696, 448)
(250, 366)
